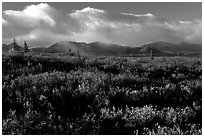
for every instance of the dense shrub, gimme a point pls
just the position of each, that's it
(44, 94)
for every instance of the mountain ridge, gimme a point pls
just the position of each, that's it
(171, 47)
(159, 48)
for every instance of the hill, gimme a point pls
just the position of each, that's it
(175, 48)
(6, 48)
(109, 49)
(99, 48)
(39, 50)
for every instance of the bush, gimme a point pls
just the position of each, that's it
(44, 94)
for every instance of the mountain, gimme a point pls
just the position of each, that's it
(100, 48)
(150, 49)
(109, 49)
(175, 48)
(6, 48)
(94, 48)
(66, 47)
(38, 50)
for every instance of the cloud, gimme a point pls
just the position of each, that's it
(4, 21)
(32, 16)
(43, 25)
(34, 23)
(87, 10)
(134, 29)
(186, 30)
(184, 22)
(138, 15)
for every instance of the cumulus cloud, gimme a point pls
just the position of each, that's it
(43, 25)
(33, 16)
(135, 29)
(27, 23)
(186, 30)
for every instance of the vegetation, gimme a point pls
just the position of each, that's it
(55, 94)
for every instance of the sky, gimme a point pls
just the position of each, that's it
(124, 23)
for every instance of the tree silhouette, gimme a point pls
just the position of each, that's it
(15, 47)
(14, 41)
(25, 48)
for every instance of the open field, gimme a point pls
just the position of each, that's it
(44, 94)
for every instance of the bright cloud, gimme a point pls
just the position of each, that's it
(4, 21)
(189, 31)
(138, 15)
(184, 22)
(43, 25)
(33, 16)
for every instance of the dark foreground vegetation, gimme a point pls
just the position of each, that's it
(101, 95)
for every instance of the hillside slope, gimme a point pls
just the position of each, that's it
(170, 47)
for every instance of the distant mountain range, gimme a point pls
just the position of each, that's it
(100, 48)
(181, 47)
